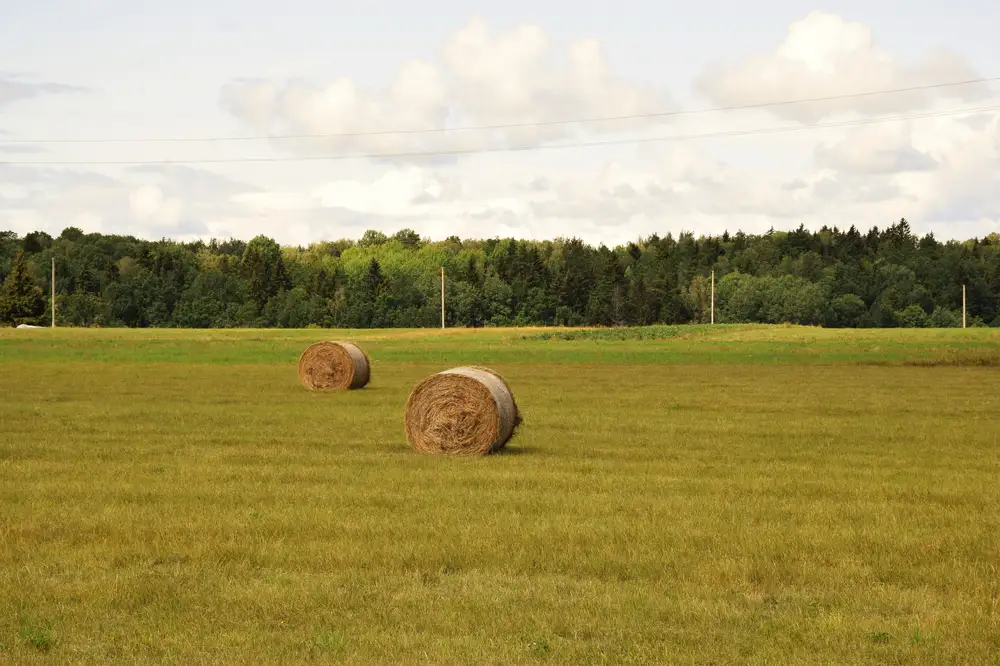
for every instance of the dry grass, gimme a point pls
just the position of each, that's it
(771, 512)
(975, 360)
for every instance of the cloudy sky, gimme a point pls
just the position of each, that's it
(306, 120)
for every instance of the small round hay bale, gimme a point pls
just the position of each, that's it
(332, 365)
(462, 411)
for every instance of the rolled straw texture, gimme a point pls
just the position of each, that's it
(462, 411)
(333, 364)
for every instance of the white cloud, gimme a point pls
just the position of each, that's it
(483, 79)
(14, 88)
(149, 206)
(52, 199)
(885, 148)
(399, 191)
(416, 100)
(275, 201)
(20, 149)
(966, 187)
(824, 55)
(510, 78)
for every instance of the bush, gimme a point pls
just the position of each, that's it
(845, 311)
(944, 318)
(913, 316)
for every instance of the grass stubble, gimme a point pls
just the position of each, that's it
(177, 497)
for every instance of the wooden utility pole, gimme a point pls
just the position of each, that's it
(713, 296)
(53, 292)
(963, 306)
(442, 297)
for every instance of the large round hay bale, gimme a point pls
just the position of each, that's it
(463, 411)
(332, 364)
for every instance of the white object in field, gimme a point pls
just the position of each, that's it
(27, 326)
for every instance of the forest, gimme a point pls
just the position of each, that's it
(882, 278)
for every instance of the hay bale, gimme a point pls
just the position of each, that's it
(332, 364)
(463, 411)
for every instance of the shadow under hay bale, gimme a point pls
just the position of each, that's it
(462, 411)
(333, 365)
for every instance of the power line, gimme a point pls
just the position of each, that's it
(477, 151)
(542, 123)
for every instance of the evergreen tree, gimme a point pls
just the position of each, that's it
(21, 301)
(264, 267)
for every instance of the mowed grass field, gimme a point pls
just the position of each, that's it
(712, 495)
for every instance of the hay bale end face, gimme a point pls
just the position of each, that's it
(462, 411)
(333, 365)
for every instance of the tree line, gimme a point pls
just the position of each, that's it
(881, 278)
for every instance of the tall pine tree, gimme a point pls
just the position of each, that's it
(21, 301)
(264, 267)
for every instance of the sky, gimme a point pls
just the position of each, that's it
(306, 120)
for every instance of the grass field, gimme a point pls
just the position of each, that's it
(696, 495)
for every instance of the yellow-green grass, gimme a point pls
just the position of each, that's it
(722, 495)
